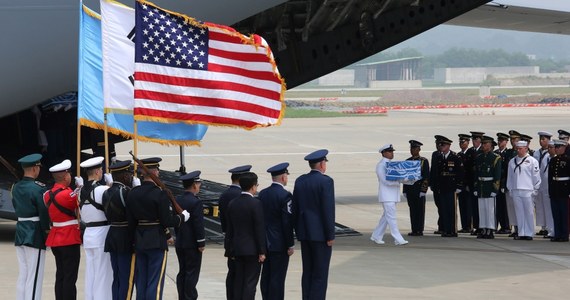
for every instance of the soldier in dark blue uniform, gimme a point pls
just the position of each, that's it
(314, 215)
(416, 193)
(559, 189)
(464, 198)
(190, 238)
(501, 209)
(435, 156)
(276, 201)
(246, 237)
(150, 213)
(119, 240)
(446, 179)
(233, 191)
(31, 228)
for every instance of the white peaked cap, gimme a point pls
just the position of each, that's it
(92, 162)
(63, 166)
(522, 144)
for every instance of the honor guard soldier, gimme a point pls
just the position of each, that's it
(487, 178)
(523, 182)
(542, 206)
(314, 215)
(276, 201)
(559, 189)
(233, 191)
(435, 155)
(500, 200)
(151, 215)
(190, 238)
(31, 229)
(446, 180)
(119, 240)
(515, 137)
(98, 270)
(464, 198)
(246, 237)
(416, 193)
(564, 136)
(64, 237)
(474, 151)
(388, 196)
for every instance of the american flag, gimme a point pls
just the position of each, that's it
(194, 72)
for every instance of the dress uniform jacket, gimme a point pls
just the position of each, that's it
(420, 186)
(276, 203)
(487, 174)
(119, 238)
(447, 174)
(558, 171)
(27, 199)
(149, 210)
(191, 234)
(65, 230)
(246, 226)
(314, 207)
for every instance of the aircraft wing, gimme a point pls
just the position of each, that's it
(513, 16)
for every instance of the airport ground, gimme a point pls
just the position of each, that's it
(429, 267)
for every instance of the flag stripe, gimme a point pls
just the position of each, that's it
(209, 93)
(178, 102)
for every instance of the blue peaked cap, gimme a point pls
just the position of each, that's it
(317, 156)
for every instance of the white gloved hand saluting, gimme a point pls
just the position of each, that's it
(136, 181)
(108, 178)
(78, 181)
(186, 215)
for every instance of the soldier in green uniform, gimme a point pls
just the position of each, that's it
(416, 193)
(31, 229)
(486, 178)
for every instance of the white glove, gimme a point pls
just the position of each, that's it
(457, 191)
(136, 181)
(186, 215)
(503, 190)
(467, 188)
(475, 193)
(108, 178)
(78, 181)
(422, 194)
(405, 195)
(493, 194)
(534, 192)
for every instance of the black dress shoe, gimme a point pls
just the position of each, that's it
(475, 232)
(504, 231)
(542, 232)
(464, 231)
(514, 234)
(437, 232)
(490, 236)
(553, 239)
(517, 238)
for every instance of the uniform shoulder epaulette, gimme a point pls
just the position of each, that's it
(40, 183)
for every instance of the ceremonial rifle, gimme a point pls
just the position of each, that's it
(158, 182)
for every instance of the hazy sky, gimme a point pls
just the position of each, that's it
(563, 5)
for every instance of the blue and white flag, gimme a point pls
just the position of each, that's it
(407, 171)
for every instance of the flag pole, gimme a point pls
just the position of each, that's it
(106, 139)
(182, 169)
(135, 146)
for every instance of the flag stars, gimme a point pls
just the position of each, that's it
(156, 59)
(178, 62)
(202, 53)
(201, 65)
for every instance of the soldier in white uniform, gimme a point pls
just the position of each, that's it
(388, 195)
(523, 182)
(542, 200)
(98, 270)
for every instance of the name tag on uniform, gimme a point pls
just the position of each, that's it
(451, 164)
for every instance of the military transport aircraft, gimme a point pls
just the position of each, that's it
(309, 38)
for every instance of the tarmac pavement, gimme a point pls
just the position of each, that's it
(429, 267)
